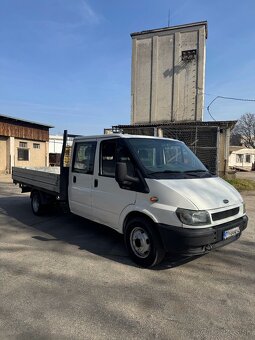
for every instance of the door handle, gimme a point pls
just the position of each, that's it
(96, 183)
(74, 179)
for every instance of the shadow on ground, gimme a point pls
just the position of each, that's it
(66, 227)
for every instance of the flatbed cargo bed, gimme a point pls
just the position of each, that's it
(45, 178)
(51, 181)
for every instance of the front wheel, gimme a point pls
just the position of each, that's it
(143, 242)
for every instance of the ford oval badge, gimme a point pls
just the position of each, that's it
(226, 201)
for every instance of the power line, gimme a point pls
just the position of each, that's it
(168, 22)
(232, 98)
(228, 98)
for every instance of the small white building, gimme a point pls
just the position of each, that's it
(55, 143)
(241, 158)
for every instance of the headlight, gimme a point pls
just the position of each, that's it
(193, 217)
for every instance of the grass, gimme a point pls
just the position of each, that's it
(242, 184)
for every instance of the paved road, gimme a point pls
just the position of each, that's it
(62, 277)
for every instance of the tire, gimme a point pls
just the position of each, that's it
(143, 242)
(36, 203)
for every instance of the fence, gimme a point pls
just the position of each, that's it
(202, 140)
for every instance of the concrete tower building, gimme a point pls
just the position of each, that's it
(168, 72)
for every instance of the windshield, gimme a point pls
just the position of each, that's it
(167, 156)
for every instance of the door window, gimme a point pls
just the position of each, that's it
(84, 157)
(123, 156)
(108, 158)
(110, 153)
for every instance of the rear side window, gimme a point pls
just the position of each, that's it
(108, 158)
(84, 157)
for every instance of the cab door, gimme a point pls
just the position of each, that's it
(108, 199)
(81, 178)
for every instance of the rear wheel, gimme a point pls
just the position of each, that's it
(36, 203)
(143, 242)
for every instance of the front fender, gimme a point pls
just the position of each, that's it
(133, 209)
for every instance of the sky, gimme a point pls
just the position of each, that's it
(67, 63)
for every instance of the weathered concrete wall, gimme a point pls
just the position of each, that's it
(15, 130)
(37, 156)
(164, 86)
(3, 154)
(223, 151)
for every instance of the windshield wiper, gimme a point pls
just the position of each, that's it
(198, 170)
(197, 173)
(188, 172)
(165, 172)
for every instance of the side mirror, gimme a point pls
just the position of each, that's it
(122, 176)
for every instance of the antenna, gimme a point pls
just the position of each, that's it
(168, 23)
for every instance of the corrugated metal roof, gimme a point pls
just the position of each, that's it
(193, 24)
(227, 123)
(242, 150)
(7, 117)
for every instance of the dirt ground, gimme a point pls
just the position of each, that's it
(246, 175)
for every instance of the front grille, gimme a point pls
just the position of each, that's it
(224, 214)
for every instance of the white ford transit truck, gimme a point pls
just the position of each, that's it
(152, 190)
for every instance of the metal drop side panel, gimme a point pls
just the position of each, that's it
(47, 179)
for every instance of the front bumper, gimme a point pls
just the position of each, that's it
(198, 241)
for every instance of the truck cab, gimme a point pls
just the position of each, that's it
(156, 192)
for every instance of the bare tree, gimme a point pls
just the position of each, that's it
(245, 129)
(235, 139)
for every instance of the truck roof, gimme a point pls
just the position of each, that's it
(120, 135)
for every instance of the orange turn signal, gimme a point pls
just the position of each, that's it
(154, 199)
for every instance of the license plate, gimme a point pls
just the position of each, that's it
(231, 232)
